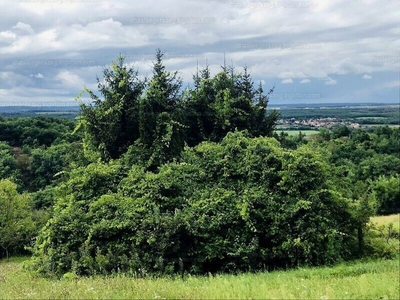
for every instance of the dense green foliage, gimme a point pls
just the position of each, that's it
(153, 179)
(228, 207)
(226, 103)
(365, 161)
(16, 218)
(34, 149)
(8, 165)
(155, 118)
(35, 131)
(33, 153)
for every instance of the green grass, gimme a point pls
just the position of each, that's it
(359, 280)
(296, 132)
(379, 125)
(386, 220)
(380, 227)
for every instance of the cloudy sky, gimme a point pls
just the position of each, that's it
(312, 51)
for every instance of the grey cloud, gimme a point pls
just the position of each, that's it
(70, 43)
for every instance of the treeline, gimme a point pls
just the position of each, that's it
(34, 149)
(33, 152)
(371, 115)
(364, 164)
(156, 179)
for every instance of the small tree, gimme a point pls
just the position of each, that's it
(16, 223)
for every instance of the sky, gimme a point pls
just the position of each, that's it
(312, 51)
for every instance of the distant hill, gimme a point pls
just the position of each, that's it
(69, 112)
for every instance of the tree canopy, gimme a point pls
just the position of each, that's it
(157, 118)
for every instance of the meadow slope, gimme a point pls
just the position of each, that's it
(377, 279)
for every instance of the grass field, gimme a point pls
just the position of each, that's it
(296, 132)
(386, 220)
(359, 280)
(373, 279)
(379, 125)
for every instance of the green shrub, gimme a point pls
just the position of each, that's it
(17, 226)
(382, 241)
(387, 193)
(241, 205)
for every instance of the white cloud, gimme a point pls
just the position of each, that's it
(77, 37)
(331, 38)
(24, 27)
(38, 75)
(69, 79)
(330, 81)
(7, 36)
(367, 76)
(287, 80)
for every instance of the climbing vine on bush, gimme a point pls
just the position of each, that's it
(242, 204)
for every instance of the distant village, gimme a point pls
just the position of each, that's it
(318, 122)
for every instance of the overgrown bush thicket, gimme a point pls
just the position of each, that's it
(242, 205)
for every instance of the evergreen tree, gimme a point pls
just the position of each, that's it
(161, 128)
(112, 124)
(225, 103)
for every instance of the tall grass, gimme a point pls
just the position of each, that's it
(358, 280)
(386, 220)
(377, 279)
